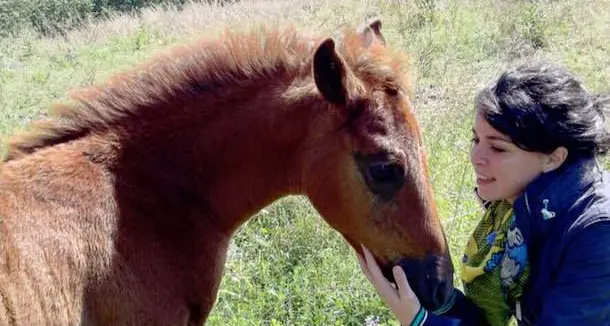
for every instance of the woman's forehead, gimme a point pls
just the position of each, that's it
(482, 128)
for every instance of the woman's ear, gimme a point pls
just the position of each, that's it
(555, 159)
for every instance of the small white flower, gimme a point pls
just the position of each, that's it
(372, 321)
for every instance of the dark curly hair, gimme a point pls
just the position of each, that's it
(541, 107)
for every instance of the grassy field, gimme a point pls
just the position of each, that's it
(286, 266)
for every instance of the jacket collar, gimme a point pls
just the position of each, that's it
(547, 197)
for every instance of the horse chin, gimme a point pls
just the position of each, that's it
(431, 279)
(386, 270)
(354, 244)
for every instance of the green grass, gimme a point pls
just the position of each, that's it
(286, 266)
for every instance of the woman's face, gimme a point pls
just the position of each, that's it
(503, 170)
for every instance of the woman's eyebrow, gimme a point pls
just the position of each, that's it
(500, 138)
(494, 137)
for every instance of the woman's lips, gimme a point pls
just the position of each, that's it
(484, 180)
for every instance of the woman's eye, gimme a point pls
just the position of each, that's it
(497, 149)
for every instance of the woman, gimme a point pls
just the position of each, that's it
(541, 253)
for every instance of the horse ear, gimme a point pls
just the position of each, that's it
(329, 72)
(371, 31)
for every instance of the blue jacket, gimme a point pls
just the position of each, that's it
(564, 217)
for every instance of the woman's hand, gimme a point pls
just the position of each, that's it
(401, 301)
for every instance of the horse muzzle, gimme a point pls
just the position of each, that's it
(430, 278)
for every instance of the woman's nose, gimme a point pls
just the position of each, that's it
(477, 156)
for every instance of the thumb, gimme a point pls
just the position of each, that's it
(404, 289)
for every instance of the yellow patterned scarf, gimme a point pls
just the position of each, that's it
(494, 267)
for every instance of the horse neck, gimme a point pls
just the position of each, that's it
(232, 157)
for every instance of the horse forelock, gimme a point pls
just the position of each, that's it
(206, 65)
(378, 64)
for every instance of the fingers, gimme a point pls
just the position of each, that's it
(372, 266)
(400, 298)
(363, 266)
(376, 276)
(404, 289)
(371, 263)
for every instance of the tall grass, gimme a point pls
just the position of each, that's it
(57, 17)
(286, 266)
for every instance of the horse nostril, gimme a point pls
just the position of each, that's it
(431, 278)
(441, 293)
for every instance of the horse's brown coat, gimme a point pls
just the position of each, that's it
(119, 209)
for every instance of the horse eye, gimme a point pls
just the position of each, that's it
(383, 177)
(391, 91)
(386, 173)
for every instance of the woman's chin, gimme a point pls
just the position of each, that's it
(488, 195)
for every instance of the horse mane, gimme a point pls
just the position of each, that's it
(185, 71)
